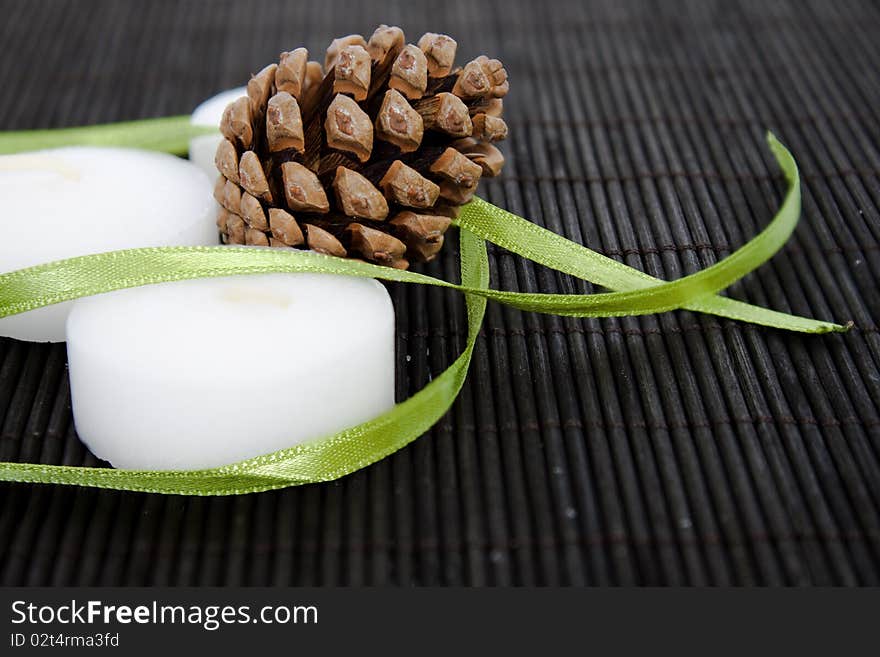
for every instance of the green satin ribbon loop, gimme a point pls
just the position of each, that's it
(692, 292)
(320, 460)
(634, 293)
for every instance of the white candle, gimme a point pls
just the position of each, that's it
(76, 201)
(202, 148)
(200, 373)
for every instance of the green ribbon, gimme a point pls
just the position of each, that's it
(170, 134)
(634, 293)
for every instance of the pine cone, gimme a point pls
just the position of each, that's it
(370, 160)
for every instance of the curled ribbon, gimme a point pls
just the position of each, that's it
(633, 293)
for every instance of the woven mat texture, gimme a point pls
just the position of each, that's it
(662, 450)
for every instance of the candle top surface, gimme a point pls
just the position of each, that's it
(74, 201)
(248, 323)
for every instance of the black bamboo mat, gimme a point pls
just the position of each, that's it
(672, 449)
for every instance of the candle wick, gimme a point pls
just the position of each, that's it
(38, 163)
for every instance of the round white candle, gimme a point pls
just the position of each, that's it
(209, 113)
(77, 201)
(201, 373)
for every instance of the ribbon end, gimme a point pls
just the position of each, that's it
(836, 328)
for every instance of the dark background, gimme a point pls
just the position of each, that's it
(672, 449)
